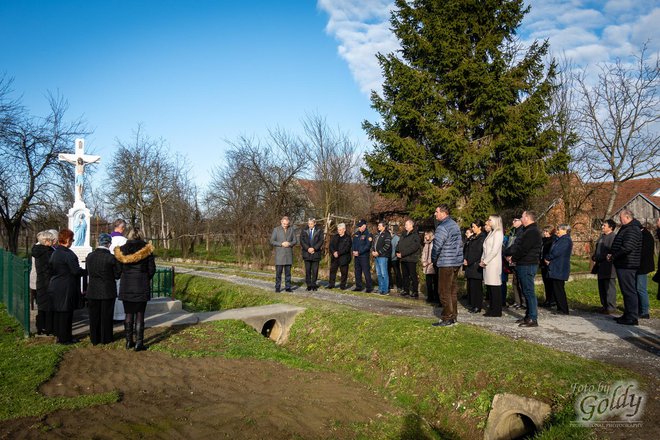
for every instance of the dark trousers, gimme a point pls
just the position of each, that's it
(560, 295)
(394, 273)
(44, 322)
(628, 285)
(311, 272)
(100, 320)
(409, 277)
(475, 292)
(448, 292)
(607, 292)
(495, 305)
(334, 265)
(548, 286)
(432, 287)
(526, 274)
(362, 266)
(63, 326)
(287, 276)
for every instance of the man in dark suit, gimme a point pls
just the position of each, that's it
(102, 269)
(311, 241)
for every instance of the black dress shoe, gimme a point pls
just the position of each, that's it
(288, 289)
(628, 322)
(645, 316)
(475, 310)
(369, 290)
(403, 294)
(446, 323)
(277, 290)
(357, 289)
(330, 287)
(492, 315)
(414, 295)
(521, 320)
(529, 323)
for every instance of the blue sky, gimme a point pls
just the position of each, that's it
(199, 72)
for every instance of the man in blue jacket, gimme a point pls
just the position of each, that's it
(447, 254)
(361, 246)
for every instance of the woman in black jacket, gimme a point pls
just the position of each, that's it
(409, 251)
(138, 267)
(340, 256)
(64, 287)
(474, 273)
(41, 252)
(549, 237)
(102, 269)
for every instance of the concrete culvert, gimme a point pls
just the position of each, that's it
(514, 417)
(272, 329)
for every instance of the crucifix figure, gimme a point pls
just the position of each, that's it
(79, 159)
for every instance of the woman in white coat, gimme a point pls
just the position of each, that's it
(491, 261)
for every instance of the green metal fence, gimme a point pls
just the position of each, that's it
(15, 287)
(162, 284)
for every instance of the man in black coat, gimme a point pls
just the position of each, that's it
(103, 271)
(525, 253)
(408, 251)
(340, 256)
(311, 241)
(625, 255)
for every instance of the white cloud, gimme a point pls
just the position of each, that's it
(362, 30)
(589, 32)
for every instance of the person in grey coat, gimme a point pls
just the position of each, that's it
(604, 269)
(283, 239)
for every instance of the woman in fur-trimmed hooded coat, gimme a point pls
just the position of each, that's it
(138, 267)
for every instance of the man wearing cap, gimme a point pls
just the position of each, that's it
(102, 269)
(361, 246)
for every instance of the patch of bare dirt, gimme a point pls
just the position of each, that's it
(197, 398)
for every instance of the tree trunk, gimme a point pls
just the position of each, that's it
(610, 203)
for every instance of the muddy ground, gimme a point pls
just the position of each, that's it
(197, 398)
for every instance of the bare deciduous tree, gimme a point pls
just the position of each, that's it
(334, 166)
(30, 173)
(619, 119)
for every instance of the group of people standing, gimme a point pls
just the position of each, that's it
(118, 267)
(488, 256)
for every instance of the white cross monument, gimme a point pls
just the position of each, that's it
(79, 215)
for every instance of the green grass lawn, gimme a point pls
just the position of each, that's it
(27, 363)
(443, 380)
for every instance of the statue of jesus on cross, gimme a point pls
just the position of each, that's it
(79, 159)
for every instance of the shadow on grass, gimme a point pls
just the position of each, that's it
(416, 428)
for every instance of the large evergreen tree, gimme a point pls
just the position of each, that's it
(464, 109)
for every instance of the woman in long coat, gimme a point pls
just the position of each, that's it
(559, 265)
(103, 271)
(41, 253)
(473, 271)
(429, 269)
(138, 267)
(64, 287)
(491, 261)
